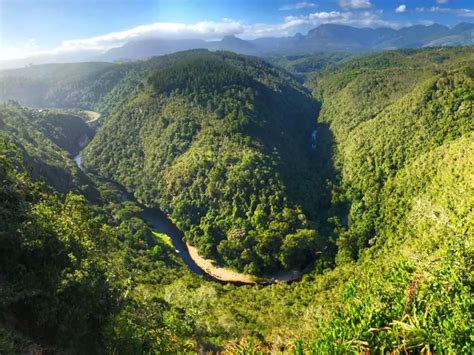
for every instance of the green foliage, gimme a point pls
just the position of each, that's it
(302, 66)
(49, 260)
(67, 131)
(200, 71)
(299, 248)
(212, 141)
(68, 280)
(235, 170)
(405, 161)
(75, 85)
(421, 307)
(46, 140)
(385, 111)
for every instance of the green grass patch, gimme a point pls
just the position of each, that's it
(164, 237)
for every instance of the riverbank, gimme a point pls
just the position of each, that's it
(220, 273)
(92, 116)
(161, 225)
(227, 275)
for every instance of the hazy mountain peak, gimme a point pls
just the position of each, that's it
(324, 38)
(463, 26)
(231, 38)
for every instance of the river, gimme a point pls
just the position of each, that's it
(159, 222)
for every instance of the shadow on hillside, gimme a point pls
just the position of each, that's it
(314, 185)
(323, 166)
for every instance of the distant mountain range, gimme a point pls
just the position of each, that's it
(325, 38)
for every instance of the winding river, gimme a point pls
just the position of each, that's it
(159, 222)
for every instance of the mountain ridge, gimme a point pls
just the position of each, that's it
(326, 37)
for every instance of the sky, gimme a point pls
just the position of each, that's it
(42, 27)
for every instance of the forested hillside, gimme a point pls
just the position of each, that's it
(75, 85)
(380, 206)
(403, 131)
(102, 87)
(223, 144)
(310, 63)
(47, 140)
(69, 271)
(385, 111)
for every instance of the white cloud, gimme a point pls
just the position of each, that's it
(165, 30)
(292, 24)
(353, 18)
(447, 10)
(355, 4)
(17, 49)
(400, 9)
(299, 6)
(206, 30)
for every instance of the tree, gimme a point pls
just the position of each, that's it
(298, 249)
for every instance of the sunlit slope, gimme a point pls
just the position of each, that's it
(412, 291)
(223, 144)
(405, 153)
(407, 105)
(47, 141)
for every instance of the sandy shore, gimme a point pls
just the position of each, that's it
(92, 116)
(228, 275)
(220, 273)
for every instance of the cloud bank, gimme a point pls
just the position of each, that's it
(447, 10)
(206, 30)
(357, 13)
(299, 6)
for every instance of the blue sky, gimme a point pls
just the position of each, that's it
(57, 26)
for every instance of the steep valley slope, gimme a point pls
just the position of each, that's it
(383, 203)
(223, 144)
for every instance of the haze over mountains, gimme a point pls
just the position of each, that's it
(324, 38)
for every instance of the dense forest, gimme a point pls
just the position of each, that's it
(212, 139)
(376, 206)
(405, 104)
(47, 140)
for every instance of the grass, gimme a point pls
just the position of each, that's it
(165, 238)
